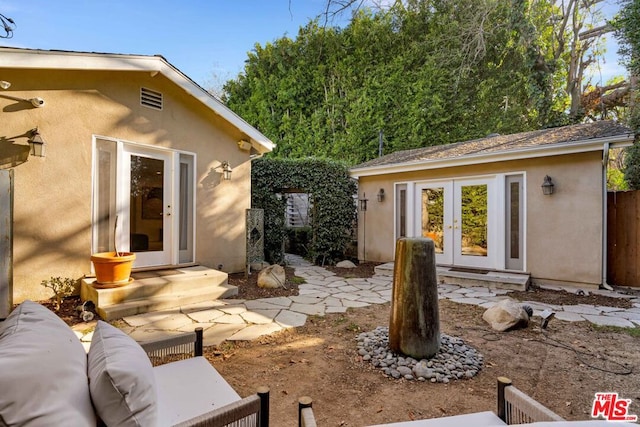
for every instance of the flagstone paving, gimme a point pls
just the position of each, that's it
(325, 292)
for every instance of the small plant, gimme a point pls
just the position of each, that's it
(61, 287)
(298, 280)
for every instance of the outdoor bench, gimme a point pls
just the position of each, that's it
(514, 408)
(48, 378)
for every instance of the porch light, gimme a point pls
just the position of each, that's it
(363, 202)
(4, 84)
(380, 195)
(547, 186)
(225, 170)
(36, 143)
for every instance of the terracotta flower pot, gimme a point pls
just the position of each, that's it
(112, 270)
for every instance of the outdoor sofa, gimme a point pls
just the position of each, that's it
(48, 378)
(514, 408)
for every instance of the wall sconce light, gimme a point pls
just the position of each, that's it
(244, 145)
(380, 195)
(225, 170)
(547, 186)
(36, 102)
(36, 143)
(4, 84)
(363, 202)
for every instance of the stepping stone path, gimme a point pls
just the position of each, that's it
(325, 292)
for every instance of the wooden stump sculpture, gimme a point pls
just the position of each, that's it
(414, 327)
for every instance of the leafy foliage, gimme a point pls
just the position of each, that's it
(416, 72)
(61, 287)
(331, 191)
(424, 72)
(628, 34)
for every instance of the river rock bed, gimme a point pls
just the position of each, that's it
(455, 359)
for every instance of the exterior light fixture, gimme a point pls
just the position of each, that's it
(36, 143)
(363, 202)
(36, 102)
(380, 195)
(225, 170)
(4, 84)
(244, 145)
(547, 186)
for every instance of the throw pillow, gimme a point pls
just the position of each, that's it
(121, 379)
(43, 371)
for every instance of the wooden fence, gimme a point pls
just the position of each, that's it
(623, 238)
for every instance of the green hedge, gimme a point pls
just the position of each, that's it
(330, 190)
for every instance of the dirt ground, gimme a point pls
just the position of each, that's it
(561, 367)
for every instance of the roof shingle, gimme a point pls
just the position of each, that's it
(503, 143)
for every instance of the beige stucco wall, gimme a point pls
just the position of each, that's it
(563, 231)
(52, 197)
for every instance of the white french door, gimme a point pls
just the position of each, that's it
(146, 183)
(150, 193)
(460, 217)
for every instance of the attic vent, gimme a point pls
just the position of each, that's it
(150, 98)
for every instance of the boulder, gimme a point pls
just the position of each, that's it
(257, 266)
(346, 264)
(506, 314)
(271, 277)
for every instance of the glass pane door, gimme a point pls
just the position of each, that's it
(148, 211)
(473, 223)
(434, 217)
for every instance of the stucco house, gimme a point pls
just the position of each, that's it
(127, 137)
(532, 203)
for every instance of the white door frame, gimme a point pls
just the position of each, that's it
(178, 243)
(165, 255)
(452, 232)
(493, 214)
(446, 256)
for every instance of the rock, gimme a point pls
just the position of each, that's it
(404, 370)
(271, 277)
(258, 266)
(505, 315)
(421, 370)
(345, 264)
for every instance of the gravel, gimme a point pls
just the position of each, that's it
(454, 361)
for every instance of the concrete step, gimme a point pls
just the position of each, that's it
(164, 302)
(158, 290)
(491, 279)
(472, 277)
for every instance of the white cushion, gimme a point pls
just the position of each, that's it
(43, 371)
(121, 379)
(474, 419)
(189, 388)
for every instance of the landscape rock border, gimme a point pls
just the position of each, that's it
(454, 361)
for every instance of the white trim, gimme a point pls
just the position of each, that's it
(122, 194)
(44, 59)
(618, 141)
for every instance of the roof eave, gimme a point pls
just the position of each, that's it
(63, 60)
(595, 144)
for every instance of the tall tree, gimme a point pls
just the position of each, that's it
(628, 34)
(422, 72)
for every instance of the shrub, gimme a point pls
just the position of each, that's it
(61, 287)
(331, 191)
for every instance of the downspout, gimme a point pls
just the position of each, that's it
(605, 163)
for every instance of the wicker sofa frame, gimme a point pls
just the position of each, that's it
(514, 407)
(252, 411)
